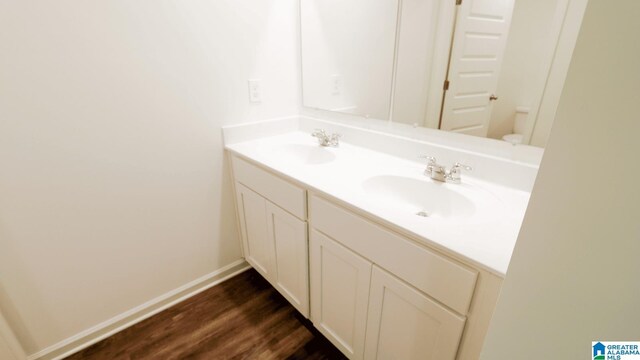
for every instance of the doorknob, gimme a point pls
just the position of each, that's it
(493, 97)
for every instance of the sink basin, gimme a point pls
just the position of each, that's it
(305, 154)
(425, 198)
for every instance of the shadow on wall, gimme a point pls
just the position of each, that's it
(10, 260)
(228, 222)
(15, 322)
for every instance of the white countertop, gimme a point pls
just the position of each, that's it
(486, 239)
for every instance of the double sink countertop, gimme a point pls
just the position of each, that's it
(476, 220)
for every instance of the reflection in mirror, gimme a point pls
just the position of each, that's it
(348, 55)
(491, 68)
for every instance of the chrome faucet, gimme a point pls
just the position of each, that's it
(454, 173)
(434, 170)
(440, 173)
(326, 140)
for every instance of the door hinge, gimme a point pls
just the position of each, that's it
(446, 85)
(458, 2)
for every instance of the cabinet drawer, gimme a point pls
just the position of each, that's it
(445, 280)
(280, 192)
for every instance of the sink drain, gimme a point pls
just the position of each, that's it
(422, 213)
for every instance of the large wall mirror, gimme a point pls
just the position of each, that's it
(491, 68)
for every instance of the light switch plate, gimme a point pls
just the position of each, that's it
(336, 84)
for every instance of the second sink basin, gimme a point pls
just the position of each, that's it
(425, 198)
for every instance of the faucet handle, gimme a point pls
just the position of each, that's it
(453, 175)
(334, 140)
(318, 132)
(431, 159)
(461, 166)
(431, 165)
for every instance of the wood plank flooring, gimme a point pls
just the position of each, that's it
(242, 318)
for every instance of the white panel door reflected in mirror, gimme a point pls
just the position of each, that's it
(476, 57)
(491, 68)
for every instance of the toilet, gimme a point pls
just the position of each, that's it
(522, 113)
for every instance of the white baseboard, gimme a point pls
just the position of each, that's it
(128, 318)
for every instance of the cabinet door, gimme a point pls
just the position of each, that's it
(339, 294)
(288, 234)
(256, 243)
(403, 323)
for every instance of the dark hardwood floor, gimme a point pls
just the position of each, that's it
(242, 318)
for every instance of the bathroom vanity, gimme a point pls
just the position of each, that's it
(387, 243)
(386, 262)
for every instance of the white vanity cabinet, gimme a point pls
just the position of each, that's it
(274, 241)
(375, 294)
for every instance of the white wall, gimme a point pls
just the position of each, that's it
(113, 184)
(528, 45)
(573, 277)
